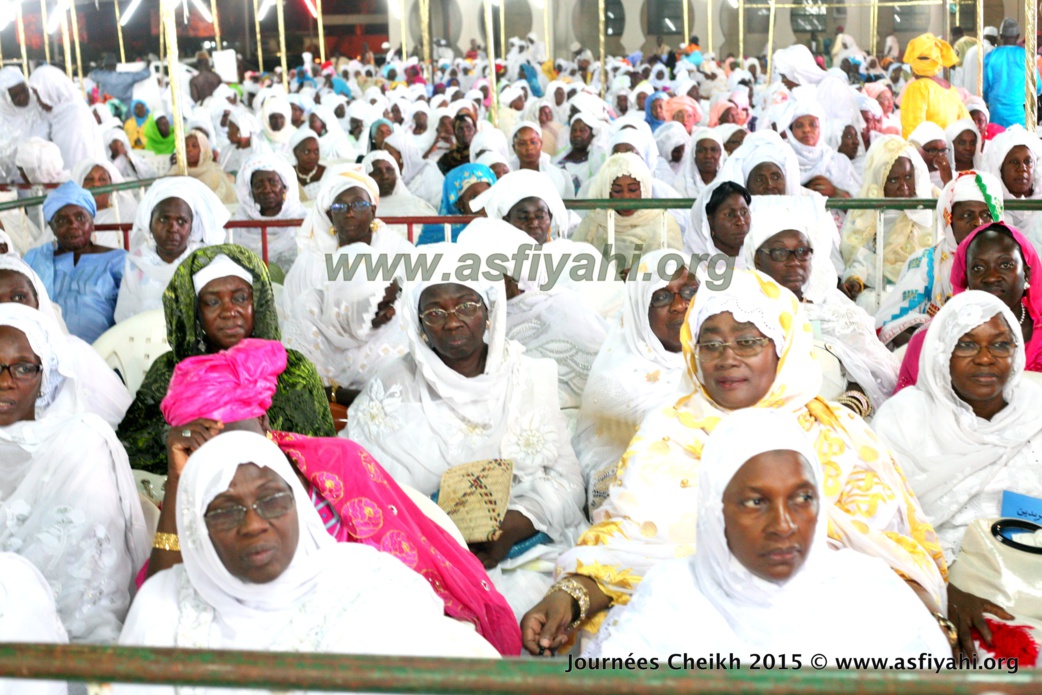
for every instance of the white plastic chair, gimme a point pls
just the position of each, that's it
(131, 346)
(150, 485)
(433, 512)
(151, 512)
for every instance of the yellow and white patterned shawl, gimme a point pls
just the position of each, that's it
(652, 507)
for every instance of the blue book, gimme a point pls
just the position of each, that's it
(1017, 506)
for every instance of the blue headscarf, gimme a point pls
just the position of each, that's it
(652, 121)
(532, 78)
(133, 105)
(456, 182)
(68, 194)
(372, 130)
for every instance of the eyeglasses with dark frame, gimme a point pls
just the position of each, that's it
(665, 297)
(21, 371)
(1000, 350)
(781, 255)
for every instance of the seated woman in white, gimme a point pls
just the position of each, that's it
(177, 215)
(260, 572)
(267, 189)
(783, 245)
(113, 208)
(639, 368)
(968, 430)
(465, 393)
(550, 321)
(27, 614)
(67, 493)
(347, 326)
(765, 579)
(395, 199)
(103, 391)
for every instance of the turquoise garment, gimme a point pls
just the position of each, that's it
(86, 291)
(456, 182)
(1005, 79)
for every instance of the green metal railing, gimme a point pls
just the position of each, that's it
(111, 188)
(332, 672)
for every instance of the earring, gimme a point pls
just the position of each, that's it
(488, 324)
(426, 340)
(374, 225)
(332, 230)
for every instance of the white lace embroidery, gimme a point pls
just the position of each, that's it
(378, 413)
(531, 438)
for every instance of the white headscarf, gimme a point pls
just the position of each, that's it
(797, 64)
(41, 160)
(846, 328)
(207, 474)
(471, 398)
(632, 375)
(146, 275)
(958, 444)
(772, 214)
(367, 166)
(249, 209)
(819, 159)
(757, 148)
(995, 153)
(100, 388)
(515, 187)
(713, 599)
(277, 104)
(314, 233)
(956, 129)
(948, 453)
(66, 467)
(689, 183)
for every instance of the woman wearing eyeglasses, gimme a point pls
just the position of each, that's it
(67, 492)
(639, 368)
(998, 259)
(342, 319)
(260, 572)
(784, 246)
(968, 430)
(466, 393)
(748, 345)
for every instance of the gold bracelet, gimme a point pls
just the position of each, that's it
(333, 388)
(948, 627)
(166, 541)
(577, 591)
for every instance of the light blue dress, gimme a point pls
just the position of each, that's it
(86, 291)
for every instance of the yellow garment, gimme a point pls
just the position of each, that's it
(911, 231)
(652, 507)
(925, 100)
(135, 133)
(927, 54)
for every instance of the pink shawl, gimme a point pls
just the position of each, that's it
(1032, 299)
(365, 505)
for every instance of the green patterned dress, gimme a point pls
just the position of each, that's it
(299, 404)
